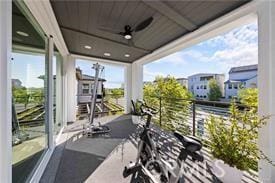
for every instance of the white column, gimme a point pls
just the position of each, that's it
(5, 92)
(64, 90)
(137, 81)
(127, 88)
(49, 95)
(71, 89)
(59, 90)
(266, 80)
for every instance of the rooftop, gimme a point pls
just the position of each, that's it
(244, 68)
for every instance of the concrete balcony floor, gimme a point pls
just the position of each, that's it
(102, 159)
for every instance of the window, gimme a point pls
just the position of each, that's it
(205, 87)
(229, 97)
(85, 88)
(204, 96)
(235, 86)
(201, 86)
(198, 96)
(192, 87)
(198, 87)
(229, 86)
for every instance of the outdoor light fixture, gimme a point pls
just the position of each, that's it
(88, 47)
(22, 33)
(127, 55)
(107, 54)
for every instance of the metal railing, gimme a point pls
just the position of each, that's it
(190, 116)
(187, 116)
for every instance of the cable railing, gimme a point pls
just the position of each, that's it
(189, 117)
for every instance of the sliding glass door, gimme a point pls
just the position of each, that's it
(29, 89)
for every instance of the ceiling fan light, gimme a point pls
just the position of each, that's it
(127, 55)
(128, 36)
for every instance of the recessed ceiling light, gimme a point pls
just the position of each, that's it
(22, 33)
(107, 54)
(88, 47)
(127, 55)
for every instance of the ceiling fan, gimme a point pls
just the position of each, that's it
(128, 30)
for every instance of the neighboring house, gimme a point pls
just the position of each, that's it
(240, 77)
(198, 84)
(85, 86)
(183, 82)
(16, 83)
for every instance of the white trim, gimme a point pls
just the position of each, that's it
(44, 14)
(41, 166)
(27, 49)
(5, 92)
(243, 15)
(100, 60)
(49, 96)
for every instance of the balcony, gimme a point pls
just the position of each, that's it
(103, 158)
(40, 43)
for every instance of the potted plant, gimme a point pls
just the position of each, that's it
(136, 112)
(233, 143)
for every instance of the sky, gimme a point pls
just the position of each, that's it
(217, 55)
(237, 47)
(113, 74)
(27, 68)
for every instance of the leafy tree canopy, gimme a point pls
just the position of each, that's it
(249, 97)
(214, 91)
(173, 99)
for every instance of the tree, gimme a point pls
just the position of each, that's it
(174, 101)
(21, 95)
(249, 97)
(117, 93)
(214, 91)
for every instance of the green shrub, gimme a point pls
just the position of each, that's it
(234, 140)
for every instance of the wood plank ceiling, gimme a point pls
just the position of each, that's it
(85, 22)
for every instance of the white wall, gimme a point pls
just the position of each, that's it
(5, 92)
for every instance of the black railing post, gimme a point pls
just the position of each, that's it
(160, 106)
(194, 117)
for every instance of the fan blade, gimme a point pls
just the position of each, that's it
(143, 24)
(109, 30)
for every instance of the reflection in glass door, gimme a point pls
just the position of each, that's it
(29, 134)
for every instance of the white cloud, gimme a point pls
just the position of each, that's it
(236, 48)
(241, 47)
